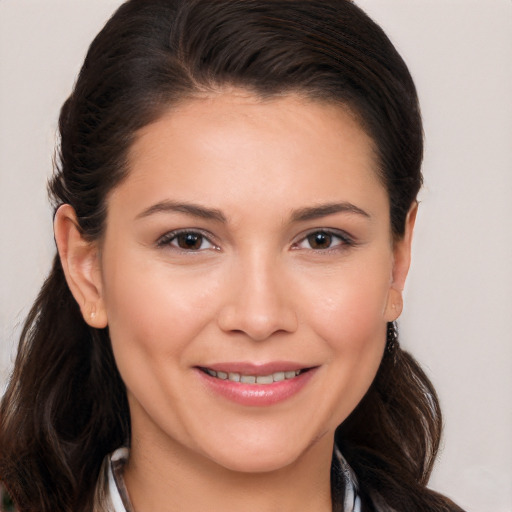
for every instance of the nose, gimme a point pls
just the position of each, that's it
(259, 302)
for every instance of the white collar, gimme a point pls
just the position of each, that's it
(114, 486)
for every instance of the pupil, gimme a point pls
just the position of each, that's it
(189, 241)
(320, 240)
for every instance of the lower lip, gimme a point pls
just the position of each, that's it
(257, 395)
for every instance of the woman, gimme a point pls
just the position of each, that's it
(235, 200)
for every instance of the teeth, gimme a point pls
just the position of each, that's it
(264, 379)
(253, 379)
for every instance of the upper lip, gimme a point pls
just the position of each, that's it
(256, 369)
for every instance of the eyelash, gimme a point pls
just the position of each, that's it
(169, 238)
(344, 240)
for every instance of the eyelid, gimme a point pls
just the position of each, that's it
(346, 240)
(166, 239)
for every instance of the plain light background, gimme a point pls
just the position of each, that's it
(458, 305)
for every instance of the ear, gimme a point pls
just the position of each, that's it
(81, 263)
(401, 264)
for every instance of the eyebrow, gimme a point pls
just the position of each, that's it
(323, 210)
(203, 212)
(190, 209)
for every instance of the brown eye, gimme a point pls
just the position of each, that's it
(190, 241)
(186, 241)
(320, 240)
(324, 240)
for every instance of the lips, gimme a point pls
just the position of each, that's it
(256, 385)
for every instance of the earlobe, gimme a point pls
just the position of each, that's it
(80, 262)
(394, 305)
(401, 263)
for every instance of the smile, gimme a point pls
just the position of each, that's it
(254, 379)
(256, 385)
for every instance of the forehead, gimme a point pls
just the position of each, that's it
(286, 147)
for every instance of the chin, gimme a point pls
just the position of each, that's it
(260, 462)
(262, 455)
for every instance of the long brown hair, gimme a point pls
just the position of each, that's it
(66, 407)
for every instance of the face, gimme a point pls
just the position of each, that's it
(247, 275)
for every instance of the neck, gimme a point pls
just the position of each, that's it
(171, 478)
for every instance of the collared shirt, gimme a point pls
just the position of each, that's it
(112, 496)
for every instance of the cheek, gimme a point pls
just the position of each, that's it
(153, 312)
(349, 308)
(348, 316)
(353, 328)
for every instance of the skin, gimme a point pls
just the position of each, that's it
(256, 289)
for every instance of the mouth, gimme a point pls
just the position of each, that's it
(256, 385)
(244, 378)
